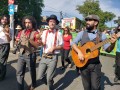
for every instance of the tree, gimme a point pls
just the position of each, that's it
(92, 7)
(3, 7)
(25, 7)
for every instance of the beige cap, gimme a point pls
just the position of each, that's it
(18, 27)
(94, 17)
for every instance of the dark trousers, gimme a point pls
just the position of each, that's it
(4, 53)
(41, 51)
(117, 63)
(64, 56)
(30, 60)
(91, 76)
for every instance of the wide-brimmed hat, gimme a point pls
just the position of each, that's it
(53, 17)
(18, 27)
(94, 17)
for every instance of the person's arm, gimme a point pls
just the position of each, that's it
(113, 41)
(60, 44)
(34, 42)
(75, 47)
(7, 33)
(8, 37)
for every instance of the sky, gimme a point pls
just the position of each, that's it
(68, 7)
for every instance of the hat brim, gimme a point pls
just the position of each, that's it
(88, 18)
(18, 28)
(57, 22)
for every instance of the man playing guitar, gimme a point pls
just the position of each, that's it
(91, 72)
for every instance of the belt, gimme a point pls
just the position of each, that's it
(50, 56)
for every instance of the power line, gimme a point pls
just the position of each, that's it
(51, 11)
(51, 8)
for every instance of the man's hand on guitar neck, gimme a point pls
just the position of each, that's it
(114, 37)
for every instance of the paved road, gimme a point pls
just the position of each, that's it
(64, 80)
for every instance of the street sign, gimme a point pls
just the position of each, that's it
(11, 9)
(10, 1)
(15, 8)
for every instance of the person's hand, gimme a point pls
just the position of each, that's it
(51, 50)
(113, 38)
(81, 56)
(7, 29)
(38, 36)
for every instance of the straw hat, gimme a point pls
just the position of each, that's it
(18, 27)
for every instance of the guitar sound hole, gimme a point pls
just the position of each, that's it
(88, 51)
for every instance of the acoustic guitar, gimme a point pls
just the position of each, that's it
(89, 50)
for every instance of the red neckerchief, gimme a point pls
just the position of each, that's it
(51, 31)
(27, 32)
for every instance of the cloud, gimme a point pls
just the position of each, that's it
(68, 7)
(110, 6)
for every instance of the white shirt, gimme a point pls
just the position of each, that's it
(3, 38)
(50, 41)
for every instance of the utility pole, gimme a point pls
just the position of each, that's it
(11, 13)
(61, 16)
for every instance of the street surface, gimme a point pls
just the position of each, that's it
(64, 79)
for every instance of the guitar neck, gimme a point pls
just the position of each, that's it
(100, 44)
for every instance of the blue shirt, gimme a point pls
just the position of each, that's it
(91, 37)
(118, 45)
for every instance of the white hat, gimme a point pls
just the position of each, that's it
(18, 27)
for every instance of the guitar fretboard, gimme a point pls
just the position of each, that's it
(100, 44)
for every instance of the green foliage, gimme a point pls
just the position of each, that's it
(25, 7)
(92, 7)
(3, 7)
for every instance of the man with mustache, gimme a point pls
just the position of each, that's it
(5, 38)
(28, 44)
(91, 72)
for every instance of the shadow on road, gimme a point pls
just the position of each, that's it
(10, 81)
(66, 80)
(105, 81)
